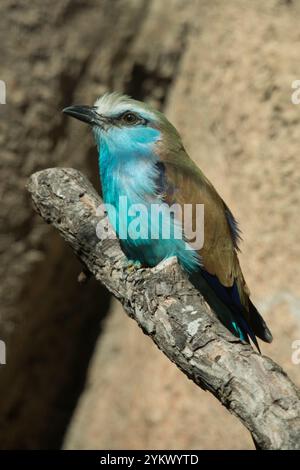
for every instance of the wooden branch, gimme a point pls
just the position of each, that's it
(174, 314)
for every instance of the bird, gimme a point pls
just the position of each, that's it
(142, 159)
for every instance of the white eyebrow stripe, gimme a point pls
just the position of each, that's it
(113, 105)
(119, 109)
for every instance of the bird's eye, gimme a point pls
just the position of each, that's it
(130, 118)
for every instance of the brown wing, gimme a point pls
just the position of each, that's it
(183, 183)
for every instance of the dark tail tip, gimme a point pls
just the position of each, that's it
(259, 325)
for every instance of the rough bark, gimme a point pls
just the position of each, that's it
(174, 314)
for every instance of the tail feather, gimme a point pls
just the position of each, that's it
(247, 331)
(245, 325)
(258, 324)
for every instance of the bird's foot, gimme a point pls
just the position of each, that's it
(132, 265)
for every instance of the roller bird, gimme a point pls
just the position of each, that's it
(142, 160)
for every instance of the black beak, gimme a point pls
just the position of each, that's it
(85, 113)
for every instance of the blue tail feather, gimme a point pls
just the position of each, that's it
(237, 324)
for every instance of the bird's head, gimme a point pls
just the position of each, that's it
(124, 125)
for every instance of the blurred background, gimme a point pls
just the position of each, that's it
(79, 374)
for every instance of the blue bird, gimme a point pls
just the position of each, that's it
(142, 162)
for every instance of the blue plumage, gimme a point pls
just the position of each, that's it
(130, 177)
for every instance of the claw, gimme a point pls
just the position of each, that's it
(132, 265)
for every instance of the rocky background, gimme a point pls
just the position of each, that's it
(79, 373)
